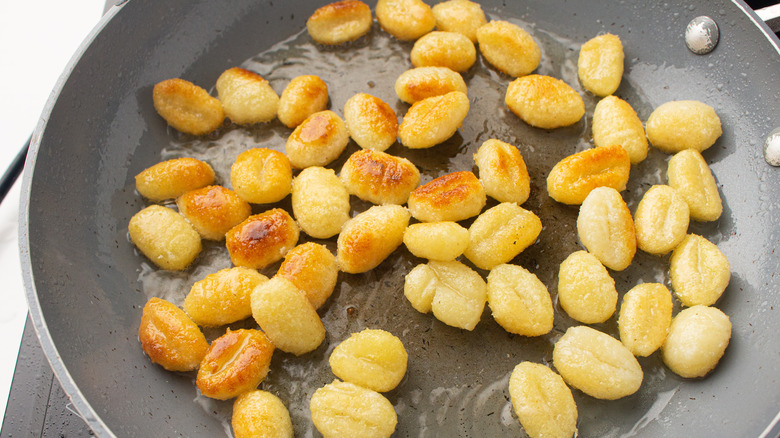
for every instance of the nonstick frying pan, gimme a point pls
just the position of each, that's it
(86, 284)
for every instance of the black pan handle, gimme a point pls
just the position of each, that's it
(14, 170)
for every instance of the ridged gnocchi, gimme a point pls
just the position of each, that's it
(164, 237)
(661, 220)
(586, 291)
(699, 271)
(644, 319)
(374, 359)
(698, 337)
(246, 97)
(317, 141)
(405, 19)
(442, 241)
(371, 122)
(600, 64)
(343, 409)
(368, 238)
(302, 97)
(689, 174)
(444, 49)
(222, 297)
(462, 16)
(616, 123)
(261, 176)
(419, 83)
(313, 269)
(172, 178)
(213, 210)
(451, 197)
(544, 102)
(169, 337)
(433, 120)
(187, 107)
(379, 178)
(683, 124)
(574, 177)
(501, 233)
(509, 48)
(262, 239)
(503, 172)
(542, 401)
(320, 202)
(260, 414)
(606, 229)
(340, 22)
(519, 301)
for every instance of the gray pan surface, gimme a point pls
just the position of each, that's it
(86, 284)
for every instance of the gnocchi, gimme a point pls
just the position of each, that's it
(683, 124)
(444, 49)
(313, 270)
(586, 291)
(423, 82)
(262, 239)
(379, 178)
(451, 197)
(222, 297)
(616, 122)
(699, 271)
(689, 174)
(661, 220)
(317, 141)
(698, 337)
(340, 22)
(462, 16)
(187, 107)
(442, 241)
(509, 48)
(501, 233)
(261, 176)
(320, 202)
(169, 337)
(260, 413)
(343, 409)
(502, 172)
(600, 64)
(544, 102)
(213, 210)
(574, 177)
(246, 97)
(373, 359)
(542, 401)
(405, 19)
(433, 120)
(371, 122)
(644, 319)
(172, 178)
(606, 229)
(164, 237)
(519, 301)
(302, 97)
(368, 238)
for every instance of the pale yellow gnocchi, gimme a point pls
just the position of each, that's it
(213, 210)
(405, 19)
(246, 97)
(379, 178)
(444, 49)
(462, 16)
(164, 237)
(422, 82)
(544, 102)
(222, 297)
(302, 97)
(317, 141)
(313, 269)
(519, 301)
(339, 22)
(683, 124)
(698, 337)
(451, 197)
(261, 175)
(606, 229)
(286, 316)
(597, 364)
(600, 64)
(699, 271)
(374, 359)
(320, 202)
(455, 293)
(262, 239)
(689, 174)
(616, 123)
(172, 178)
(661, 220)
(169, 337)
(509, 48)
(371, 122)
(433, 120)
(503, 172)
(343, 409)
(501, 233)
(542, 401)
(574, 177)
(644, 319)
(187, 107)
(368, 238)
(586, 291)
(442, 241)
(260, 413)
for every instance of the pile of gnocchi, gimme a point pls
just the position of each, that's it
(467, 240)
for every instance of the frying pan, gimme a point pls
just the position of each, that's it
(86, 284)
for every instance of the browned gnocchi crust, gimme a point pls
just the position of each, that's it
(317, 141)
(340, 22)
(246, 97)
(222, 297)
(170, 338)
(544, 102)
(303, 96)
(405, 19)
(502, 171)
(187, 107)
(451, 197)
(422, 82)
(573, 178)
(433, 120)
(313, 269)
(368, 238)
(213, 210)
(172, 178)
(444, 49)
(379, 178)
(462, 16)
(261, 176)
(262, 239)
(371, 122)
(164, 237)
(508, 48)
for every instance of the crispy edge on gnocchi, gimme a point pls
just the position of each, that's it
(444, 49)
(616, 122)
(302, 97)
(371, 122)
(246, 96)
(683, 124)
(405, 19)
(574, 177)
(317, 141)
(433, 120)
(343, 409)
(313, 269)
(374, 359)
(500, 233)
(644, 318)
(661, 220)
(689, 174)
(600, 64)
(451, 197)
(698, 337)
(320, 202)
(542, 401)
(187, 107)
(606, 229)
(222, 297)
(462, 16)
(503, 172)
(419, 83)
(544, 101)
(699, 271)
(164, 237)
(261, 176)
(213, 210)
(379, 178)
(169, 337)
(370, 237)
(441, 241)
(508, 48)
(586, 291)
(262, 239)
(339, 22)
(260, 413)
(519, 301)
(172, 178)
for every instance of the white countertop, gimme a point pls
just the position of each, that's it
(37, 39)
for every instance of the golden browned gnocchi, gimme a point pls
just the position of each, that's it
(213, 210)
(442, 241)
(600, 65)
(509, 48)
(302, 97)
(455, 293)
(661, 220)
(373, 359)
(451, 197)
(606, 229)
(574, 177)
(246, 97)
(343, 409)
(433, 120)
(222, 297)
(698, 337)
(544, 102)
(586, 291)
(164, 237)
(462, 16)
(699, 271)
(645, 316)
(173, 178)
(187, 107)
(519, 301)
(502, 171)
(261, 176)
(368, 238)
(542, 401)
(444, 49)
(422, 82)
(320, 202)
(683, 124)
(236, 363)
(317, 141)
(169, 337)
(597, 364)
(313, 269)
(615, 122)
(286, 316)
(379, 178)
(340, 22)
(689, 174)
(262, 239)
(501, 233)
(371, 122)
(405, 19)
(260, 414)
